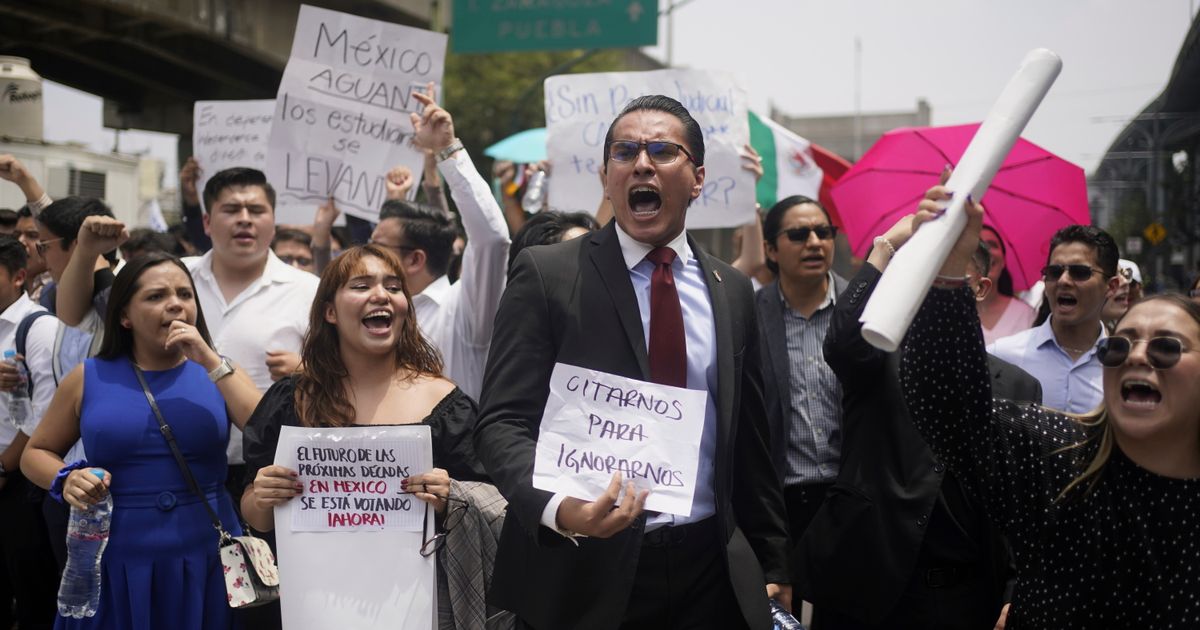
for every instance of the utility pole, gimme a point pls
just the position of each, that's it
(857, 98)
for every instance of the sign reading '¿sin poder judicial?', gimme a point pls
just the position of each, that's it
(342, 111)
(596, 424)
(503, 25)
(580, 108)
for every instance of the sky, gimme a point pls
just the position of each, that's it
(799, 56)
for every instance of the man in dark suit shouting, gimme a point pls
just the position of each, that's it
(637, 299)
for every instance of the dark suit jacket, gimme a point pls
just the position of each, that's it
(861, 548)
(776, 371)
(574, 303)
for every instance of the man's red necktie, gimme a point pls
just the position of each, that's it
(668, 346)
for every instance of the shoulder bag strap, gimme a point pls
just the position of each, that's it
(179, 459)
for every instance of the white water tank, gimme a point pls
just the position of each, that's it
(20, 99)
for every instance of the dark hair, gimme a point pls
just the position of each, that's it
(425, 228)
(13, 256)
(142, 241)
(118, 340)
(1105, 247)
(774, 218)
(24, 213)
(321, 398)
(693, 136)
(1004, 282)
(982, 259)
(288, 235)
(8, 218)
(64, 217)
(548, 227)
(236, 176)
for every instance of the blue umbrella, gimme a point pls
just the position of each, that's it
(526, 147)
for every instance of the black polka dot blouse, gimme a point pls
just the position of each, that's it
(1124, 553)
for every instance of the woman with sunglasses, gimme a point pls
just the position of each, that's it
(364, 362)
(1099, 508)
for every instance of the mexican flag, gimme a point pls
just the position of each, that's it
(788, 164)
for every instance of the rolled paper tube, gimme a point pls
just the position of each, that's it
(908, 276)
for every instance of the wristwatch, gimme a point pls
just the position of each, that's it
(445, 154)
(221, 371)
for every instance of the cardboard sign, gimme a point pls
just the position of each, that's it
(357, 577)
(342, 112)
(230, 133)
(580, 107)
(596, 424)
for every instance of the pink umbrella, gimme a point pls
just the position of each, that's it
(1033, 195)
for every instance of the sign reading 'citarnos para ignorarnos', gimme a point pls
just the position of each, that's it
(596, 424)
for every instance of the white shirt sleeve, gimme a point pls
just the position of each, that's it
(485, 259)
(39, 356)
(550, 518)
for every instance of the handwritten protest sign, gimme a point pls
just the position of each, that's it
(580, 107)
(342, 112)
(332, 577)
(230, 133)
(596, 424)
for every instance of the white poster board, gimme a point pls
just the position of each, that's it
(580, 107)
(226, 134)
(342, 112)
(354, 577)
(596, 424)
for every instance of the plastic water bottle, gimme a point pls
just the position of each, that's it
(87, 535)
(535, 193)
(783, 619)
(20, 410)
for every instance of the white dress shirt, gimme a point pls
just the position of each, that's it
(1070, 385)
(9, 320)
(701, 338)
(457, 318)
(270, 314)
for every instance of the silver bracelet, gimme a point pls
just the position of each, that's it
(879, 240)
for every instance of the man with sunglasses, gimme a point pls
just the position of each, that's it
(802, 395)
(639, 299)
(1080, 275)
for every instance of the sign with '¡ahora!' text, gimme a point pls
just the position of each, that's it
(506, 25)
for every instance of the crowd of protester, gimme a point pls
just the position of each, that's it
(1001, 470)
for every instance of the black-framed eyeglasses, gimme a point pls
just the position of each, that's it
(456, 510)
(303, 261)
(1078, 273)
(801, 234)
(659, 151)
(1161, 352)
(42, 246)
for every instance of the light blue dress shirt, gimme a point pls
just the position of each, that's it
(1070, 385)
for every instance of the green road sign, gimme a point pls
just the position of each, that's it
(507, 25)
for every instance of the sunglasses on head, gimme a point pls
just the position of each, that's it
(801, 234)
(1161, 352)
(1078, 273)
(659, 151)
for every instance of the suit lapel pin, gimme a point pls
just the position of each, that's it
(717, 275)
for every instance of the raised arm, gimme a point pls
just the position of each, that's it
(485, 260)
(189, 199)
(11, 169)
(97, 236)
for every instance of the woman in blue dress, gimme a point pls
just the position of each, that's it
(161, 568)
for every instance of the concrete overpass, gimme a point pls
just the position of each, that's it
(150, 59)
